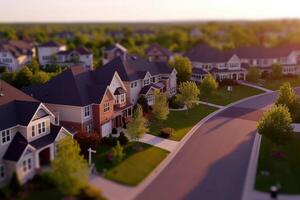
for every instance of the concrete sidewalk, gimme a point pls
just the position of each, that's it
(296, 127)
(255, 86)
(162, 143)
(211, 104)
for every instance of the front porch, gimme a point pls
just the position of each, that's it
(122, 116)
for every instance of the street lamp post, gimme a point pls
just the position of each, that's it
(90, 155)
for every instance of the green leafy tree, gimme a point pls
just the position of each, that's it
(275, 124)
(23, 77)
(183, 67)
(208, 85)
(34, 66)
(160, 109)
(144, 103)
(9, 77)
(40, 77)
(118, 152)
(69, 169)
(288, 97)
(137, 127)
(188, 94)
(277, 71)
(253, 74)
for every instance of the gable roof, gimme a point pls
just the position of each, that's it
(76, 86)
(16, 107)
(134, 68)
(163, 50)
(205, 53)
(115, 46)
(80, 50)
(50, 44)
(16, 47)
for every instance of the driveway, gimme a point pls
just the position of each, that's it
(213, 163)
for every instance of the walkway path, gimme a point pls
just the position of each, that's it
(255, 86)
(211, 104)
(166, 144)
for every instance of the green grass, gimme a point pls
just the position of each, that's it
(183, 121)
(135, 166)
(285, 171)
(275, 84)
(222, 97)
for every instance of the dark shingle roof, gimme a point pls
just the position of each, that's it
(47, 139)
(16, 47)
(16, 148)
(119, 91)
(199, 71)
(163, 50)
(134, 68)
(76, 86)
(50, 44)
(80, 50)
(205, 53)
(146, 88)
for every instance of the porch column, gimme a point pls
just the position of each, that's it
(52, 151)
(37, 160)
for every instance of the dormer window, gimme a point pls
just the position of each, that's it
(153, 80)
(41, 128)
(87, 111)
(5, 136)
(32, 131)
(147, 82)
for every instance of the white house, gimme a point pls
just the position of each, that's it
(55, 53)
(15, 54)
(29, 133)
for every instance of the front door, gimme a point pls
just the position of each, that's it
(44, 157)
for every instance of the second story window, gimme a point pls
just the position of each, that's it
(5, 136)
(87, 111)
(32, 131)
(133, 84)
(106, 107)
(153, 80)
(147, 82)
(41, 127)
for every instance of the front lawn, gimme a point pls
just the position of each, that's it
(222, 96)
(183, 121)
(284, 170)
(275, 84)
(50, 194)
(137, 164)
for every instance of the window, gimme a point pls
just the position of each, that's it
(41, 127)
(89, 128)
(106, 107)
(122, 98)
(5, 136)
(7, 60)
(147, 82)
(153, 80)
(2, 172)
(133, 84)
(32, 131)
(87, 111)
(27, 165)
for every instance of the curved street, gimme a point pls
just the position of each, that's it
(212, 165)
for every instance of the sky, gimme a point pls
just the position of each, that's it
(145, 10)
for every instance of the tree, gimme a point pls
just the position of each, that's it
(40, 77)
(23, 77)
(288, 97)
(208, 85)
(14, 184)
(188, 94)
(144, 103)
(277, 71)
(117, 152)
(34, 66)
(69, 169)
(183, 67)
(253, 74)
(160, 109)
(275, 124)
(137, 126)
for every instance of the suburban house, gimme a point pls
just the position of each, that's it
(156, 52)
(15, 54)
(55, 53)
(222, 65)
(86, 101)
(263, 58)
(142, 77)
(111, 52)
(29, 133)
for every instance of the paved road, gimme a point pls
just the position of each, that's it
(213, 163)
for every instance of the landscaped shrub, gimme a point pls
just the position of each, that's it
(144, 103)
(90, 193)
(123, 139)
(166, 132)
(43, 181)
(265, 75)
(290, 76)
(2, 69)
(175, 104)
(14, 184)
(114, 131)
(110, 140)
(86, 141)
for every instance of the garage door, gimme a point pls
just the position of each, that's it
(106, 129)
